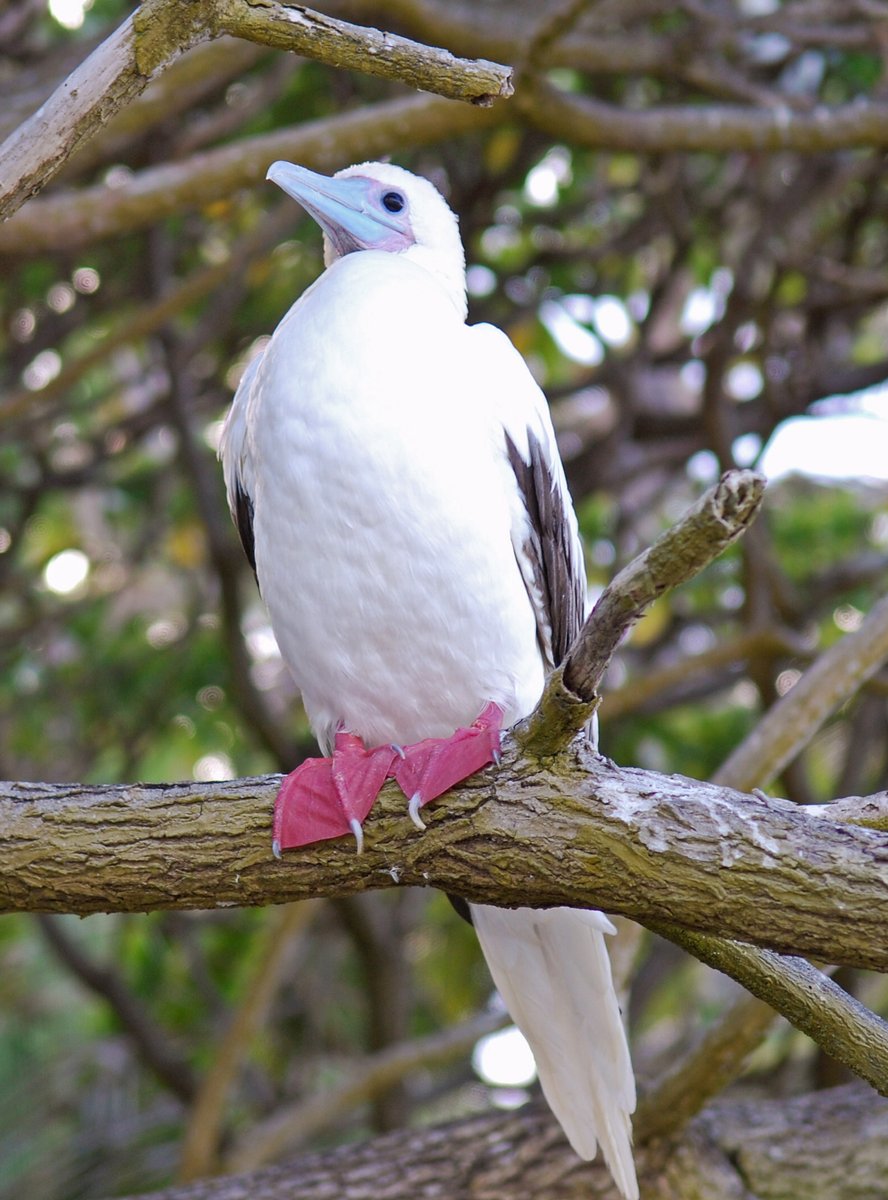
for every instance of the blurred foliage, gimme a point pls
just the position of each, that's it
(678, 310)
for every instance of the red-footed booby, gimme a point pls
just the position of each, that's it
(395, 480)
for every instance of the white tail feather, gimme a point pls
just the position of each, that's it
(552, 970)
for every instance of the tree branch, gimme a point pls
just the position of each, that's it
(292, 1126)
(704, 532)
(716, 127)
(714, 1061)
(870, 811)
(795, 718)
(161, 30)
(114, 74)
(578, 832)
(761, 1150)
(72, 218)
(643, 689)
(204, 1129)
(150, 1040)
(843, 1026)
(288, 26)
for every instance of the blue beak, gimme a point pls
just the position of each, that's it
(347, 210)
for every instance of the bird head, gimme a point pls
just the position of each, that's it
(378, 206)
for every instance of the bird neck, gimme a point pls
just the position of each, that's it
(448, 271)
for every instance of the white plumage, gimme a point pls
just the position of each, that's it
(395, 475)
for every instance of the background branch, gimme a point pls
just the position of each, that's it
(113, 75)
(204, 1129)
(149, 1037)
(291, 1126)
(836, 1021)
(714, 1060)
(735, 1151)
(796, 717)
(694, 128)
(70, 218)
(161, 30)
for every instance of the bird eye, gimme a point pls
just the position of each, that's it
(393, 202)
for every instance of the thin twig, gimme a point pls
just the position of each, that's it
(704, 532)
(718, 518)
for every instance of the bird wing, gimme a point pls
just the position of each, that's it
(545, 536)
(551, 967)
(237, 462)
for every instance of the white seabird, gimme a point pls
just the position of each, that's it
(395, 480)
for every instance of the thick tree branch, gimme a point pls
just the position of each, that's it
(578, 832)
(761, 1150)
(161, 30)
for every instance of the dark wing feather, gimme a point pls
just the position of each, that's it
(242, 511)
(237, 463)
(552, 567)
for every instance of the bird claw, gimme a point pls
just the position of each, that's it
(358, 830)
(413, 808)
(330, 797)
(435, 765)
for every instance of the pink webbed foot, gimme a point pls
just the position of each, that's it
(431, 767)
(328, 797)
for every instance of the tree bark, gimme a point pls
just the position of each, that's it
(831, 1145)
(575, 830)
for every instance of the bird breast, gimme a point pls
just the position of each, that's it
(383, 511)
